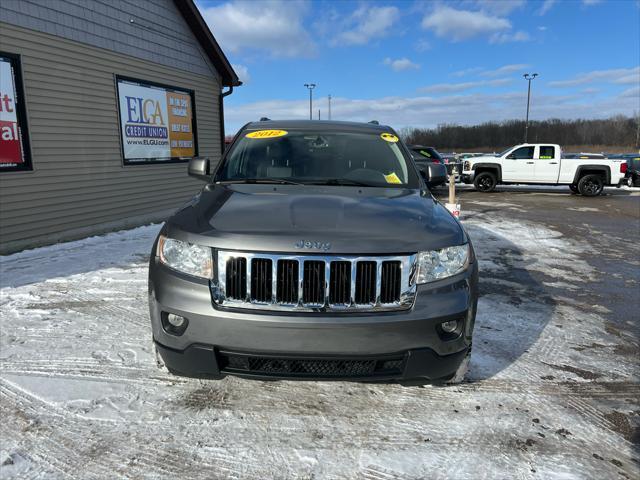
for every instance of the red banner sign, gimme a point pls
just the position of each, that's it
(12, 131)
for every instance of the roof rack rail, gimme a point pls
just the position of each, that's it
(265, 119)
(375, 122)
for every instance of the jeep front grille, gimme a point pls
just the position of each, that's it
(314, 282)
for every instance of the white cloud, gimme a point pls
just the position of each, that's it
(366, 24)
(459, 87)
(401, 64)
(466, 71)
(273, 25)
(504, 37)
(505, 70)
(427, 111)
(500, 7)
(622, 76)
(243, 72)
(422, 45)
(460, 25)
(633, 92)
(546, 6)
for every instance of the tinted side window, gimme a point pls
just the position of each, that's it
(524, 153)
(547, 153)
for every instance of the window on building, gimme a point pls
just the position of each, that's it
(157, 122)
(15, 152)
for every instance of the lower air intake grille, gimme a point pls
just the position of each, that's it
(312, 368)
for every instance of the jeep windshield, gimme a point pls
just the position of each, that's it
(315, 157)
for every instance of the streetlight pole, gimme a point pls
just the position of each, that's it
(310, 86)
(329, 99)
(528, 77)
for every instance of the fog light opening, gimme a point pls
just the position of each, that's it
(449, 327)
(175, 320)
(174, 324)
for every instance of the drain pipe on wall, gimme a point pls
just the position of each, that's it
(221, 114)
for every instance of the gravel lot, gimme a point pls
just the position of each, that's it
(552, 392)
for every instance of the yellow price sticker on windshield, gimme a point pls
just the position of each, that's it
(266, 134)
(392, 178)
(389, 137)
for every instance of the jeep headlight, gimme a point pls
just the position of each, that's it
(438, 264)
(186, 257)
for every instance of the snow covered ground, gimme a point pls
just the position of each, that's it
(548, 395)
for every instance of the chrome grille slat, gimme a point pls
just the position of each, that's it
(313, 283)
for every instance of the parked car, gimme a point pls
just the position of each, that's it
(422, 153)
(633, 169)
(543, 163)
(314, 251)
(463, 156)
(448, 158)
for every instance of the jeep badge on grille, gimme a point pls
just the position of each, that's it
(324, 246)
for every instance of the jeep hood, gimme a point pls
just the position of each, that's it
(352, 220)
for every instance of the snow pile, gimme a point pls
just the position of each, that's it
(80, 395)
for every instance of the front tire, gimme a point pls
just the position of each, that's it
(485, 182)
(591, 185)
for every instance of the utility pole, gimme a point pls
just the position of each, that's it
(310, 86)
(528, 77)
(329, 99)
(318, 114)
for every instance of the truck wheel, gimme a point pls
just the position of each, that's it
(574, 188)
(590, 185)
(485, 182)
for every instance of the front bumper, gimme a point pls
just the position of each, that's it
(214, 334)
(209, 361)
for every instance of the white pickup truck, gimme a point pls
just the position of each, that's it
(543, 163)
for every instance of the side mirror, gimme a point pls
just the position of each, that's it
(199, 168)
(511, 156)
(434, 174)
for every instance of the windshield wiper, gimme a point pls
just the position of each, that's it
(341, 181)
(280, 181)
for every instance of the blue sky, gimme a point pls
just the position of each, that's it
(423, 63)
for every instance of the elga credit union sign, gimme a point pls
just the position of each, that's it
(157, 122)
(14, 142)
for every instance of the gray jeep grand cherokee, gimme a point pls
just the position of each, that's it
(315, 250)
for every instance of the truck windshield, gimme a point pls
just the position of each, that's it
(318, 158)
